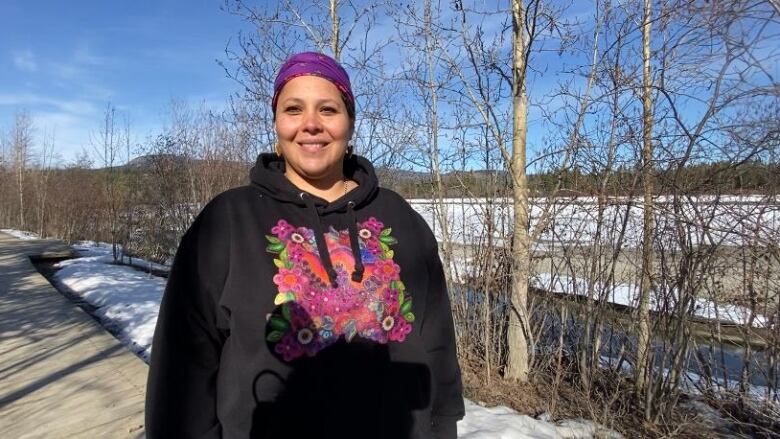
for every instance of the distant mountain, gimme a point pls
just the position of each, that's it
(146, 161)
(389, 174)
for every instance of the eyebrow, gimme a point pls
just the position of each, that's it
(292, 99)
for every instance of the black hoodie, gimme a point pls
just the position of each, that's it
(288, 316)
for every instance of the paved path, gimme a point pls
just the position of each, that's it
(61, 374)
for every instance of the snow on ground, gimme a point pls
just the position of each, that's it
(128, 300)
(102, 248)
(728, 220)
(20, 234)
(504, 423)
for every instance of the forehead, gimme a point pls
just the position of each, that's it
(309, 87)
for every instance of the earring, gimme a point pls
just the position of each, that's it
(278, 150)
(350, 151)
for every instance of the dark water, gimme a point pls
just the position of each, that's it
(724, 362)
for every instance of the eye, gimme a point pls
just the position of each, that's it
(329, 110)
(293, 109)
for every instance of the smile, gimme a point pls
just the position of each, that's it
(312, 146)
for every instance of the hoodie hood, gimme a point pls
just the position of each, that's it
(268, 175)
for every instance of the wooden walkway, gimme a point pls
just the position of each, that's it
(61, 374)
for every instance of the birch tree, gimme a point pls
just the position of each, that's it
(21, 148)
(107, 145)
(480, 66)
(518, 357)
(42, 177)
(643, 343)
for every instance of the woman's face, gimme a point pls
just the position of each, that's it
(313, 128)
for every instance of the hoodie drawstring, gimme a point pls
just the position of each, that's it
(319, 237)
(322, 246)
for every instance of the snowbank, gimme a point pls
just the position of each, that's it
(128, 300)
(20, 234)
(504, 423)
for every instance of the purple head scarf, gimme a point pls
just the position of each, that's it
(315, 64)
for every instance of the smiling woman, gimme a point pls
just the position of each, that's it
(314, 112)
(313, 128)
(310, 303)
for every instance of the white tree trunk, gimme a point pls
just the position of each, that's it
(643, 343)
(335, 27)
(518, 358)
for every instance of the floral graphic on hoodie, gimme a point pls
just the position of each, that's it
(312, 314)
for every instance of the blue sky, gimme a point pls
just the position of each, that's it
(63, 61)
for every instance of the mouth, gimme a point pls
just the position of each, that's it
(312, 146)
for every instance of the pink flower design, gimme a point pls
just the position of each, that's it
(391, 301)
(374, 225)
(320, 315)
(334, 305)
(290, 280)
(282, 229)
(289, 348)
(386, 270)
(400, 330)
(295, 253)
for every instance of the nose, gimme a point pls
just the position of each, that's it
(311, 122)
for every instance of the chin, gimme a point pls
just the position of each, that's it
(316, 173)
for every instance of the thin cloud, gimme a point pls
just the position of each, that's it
(72, 106)
(81, 63)
(24, 60)
(85, 56)
(65, 71)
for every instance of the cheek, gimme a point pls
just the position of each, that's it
(343, 131)
(284, 129)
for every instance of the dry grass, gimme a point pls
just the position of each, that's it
(609, 403)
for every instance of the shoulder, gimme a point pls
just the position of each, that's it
(394, 201)
(216, 216)
(232, 199)
(413, 213)
(234, 196)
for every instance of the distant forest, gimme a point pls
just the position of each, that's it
(707, 178)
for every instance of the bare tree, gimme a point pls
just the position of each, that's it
(43, 175)
(107, 145)
(643, 343)
(335, 20)
(21, 147)
(518, 362)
